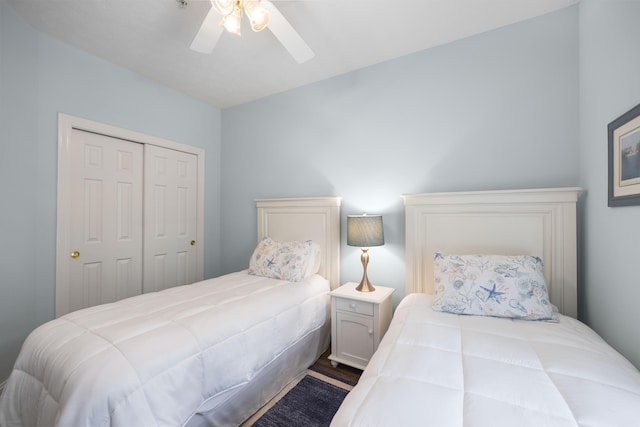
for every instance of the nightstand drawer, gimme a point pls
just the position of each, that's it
(354, 306)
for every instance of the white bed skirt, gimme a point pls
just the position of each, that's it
(243, 402)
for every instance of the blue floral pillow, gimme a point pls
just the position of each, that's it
(292, 261)
(491, 285)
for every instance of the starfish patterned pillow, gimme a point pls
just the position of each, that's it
(292, 261)
(492, 285)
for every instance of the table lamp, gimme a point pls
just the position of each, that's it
(365, 231)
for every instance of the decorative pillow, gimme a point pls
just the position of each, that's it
(292, 261)
(492, 285)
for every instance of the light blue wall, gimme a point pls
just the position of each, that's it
(495, 111)
(523, 106)
(609, 86)
(40, 77)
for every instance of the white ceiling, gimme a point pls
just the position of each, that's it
(152, 37)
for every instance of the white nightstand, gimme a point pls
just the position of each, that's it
(359, 320)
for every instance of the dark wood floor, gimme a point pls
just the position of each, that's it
(344, 372)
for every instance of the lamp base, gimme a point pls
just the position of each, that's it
(365, 285)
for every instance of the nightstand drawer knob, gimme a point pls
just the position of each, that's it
(370, 331)
(351, 306)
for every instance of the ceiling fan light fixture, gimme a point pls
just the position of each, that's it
(232, 21)
(261, 14)
(258, 15)
(224, 7)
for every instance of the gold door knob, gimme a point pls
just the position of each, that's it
(75, 254)
(193, 243)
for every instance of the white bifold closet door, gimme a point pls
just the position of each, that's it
(133, 219)
(106, 177)
(170, 218)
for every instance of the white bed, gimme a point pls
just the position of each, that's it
(210, 353)
(443, 369)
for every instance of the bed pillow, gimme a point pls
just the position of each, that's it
(292, 261)
(492, 285)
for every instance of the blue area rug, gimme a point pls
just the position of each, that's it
(311, 403)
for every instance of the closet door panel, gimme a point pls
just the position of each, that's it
(170, 218)
(105, 233)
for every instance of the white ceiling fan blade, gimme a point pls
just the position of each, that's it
(288, 36)
(208, 34)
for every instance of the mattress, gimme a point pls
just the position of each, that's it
(157, 359)
(442, 369)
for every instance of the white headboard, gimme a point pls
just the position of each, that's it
(311, 218)
(538, 222)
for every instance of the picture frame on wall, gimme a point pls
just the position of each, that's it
(624, 159)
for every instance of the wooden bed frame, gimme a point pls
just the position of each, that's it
(443, 368)
(287, 219)
(282, 219)
(299, 219)
(290, 219)
(539, 222)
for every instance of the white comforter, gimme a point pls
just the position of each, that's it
(438, 369)
(154, 359)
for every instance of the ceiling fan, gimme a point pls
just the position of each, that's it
(227, 14)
